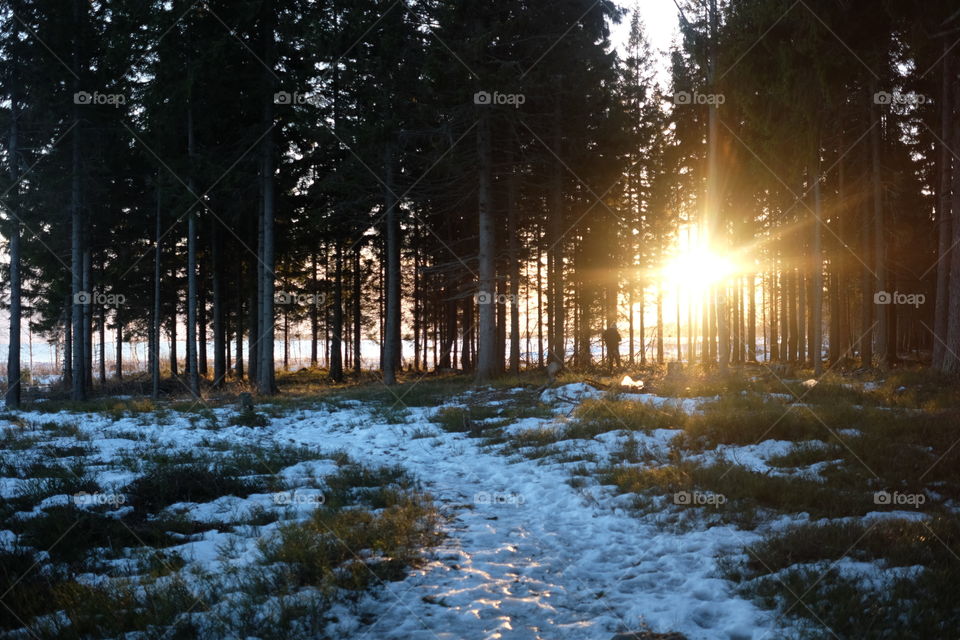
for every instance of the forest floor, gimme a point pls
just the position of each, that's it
(741, 507)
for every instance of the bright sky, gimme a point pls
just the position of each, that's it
(662, 25)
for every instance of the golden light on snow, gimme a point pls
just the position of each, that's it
(631, 383)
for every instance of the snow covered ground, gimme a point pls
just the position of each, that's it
(527, 552)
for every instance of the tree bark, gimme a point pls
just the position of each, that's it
(879, 244)
(357, 318)
(816, 339)
(221, 345)
(79, 387)
(951, 362)
(514, 268)
(391, 330)
(265, 364)
(487, 293)
(118, 318)
(12, 396)
(156, 320)
(556, 342)
(336, 344)
(193, 375)
(944, 215)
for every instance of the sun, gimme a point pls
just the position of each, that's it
(695, 270)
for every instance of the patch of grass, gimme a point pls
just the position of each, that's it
(69, 534)
(121, 608)
(632, 452)
(53, 480)
(373, 487)
(747, 419)
(164, 485)
(805, 454)
(907, 451)
(395, 414)
(249, 418)
(922, 388)
(349, 548)
(115, 408)
(419, 433)
(694, 382)
(68, 451)
(594, 417)
(896, 542)
(424, 392)
(147, 457)
(13, 439)
(801, 560)
(26, 587)
(466, 419)
(534, 437)
(744, 491)
(828, 391)
(268, 459)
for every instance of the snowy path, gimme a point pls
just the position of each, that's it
(528, 556)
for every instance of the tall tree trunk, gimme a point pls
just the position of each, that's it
(357, 319)
(336, 344)
(391, 329)
(816, 329)
(193, 375)
(945, 222)
(79, 388)
(951, 362)
(714, 199)
(486, 300)
(466, 358)
(513, 249)
(773, 351)
(12, 396)
(265, 364)
(173, 343)
(68, 341)
(314, 309)
(866, 291)
(879, 244)
(118, 318)
(540, 359)
(87, 308)
(752, 318)
(239, 336)
(202, 318)
(221, 346)
(102, 331)
(659, 324)
(556, 342)
(156, 320)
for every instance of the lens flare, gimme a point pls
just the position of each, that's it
(695, 270)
